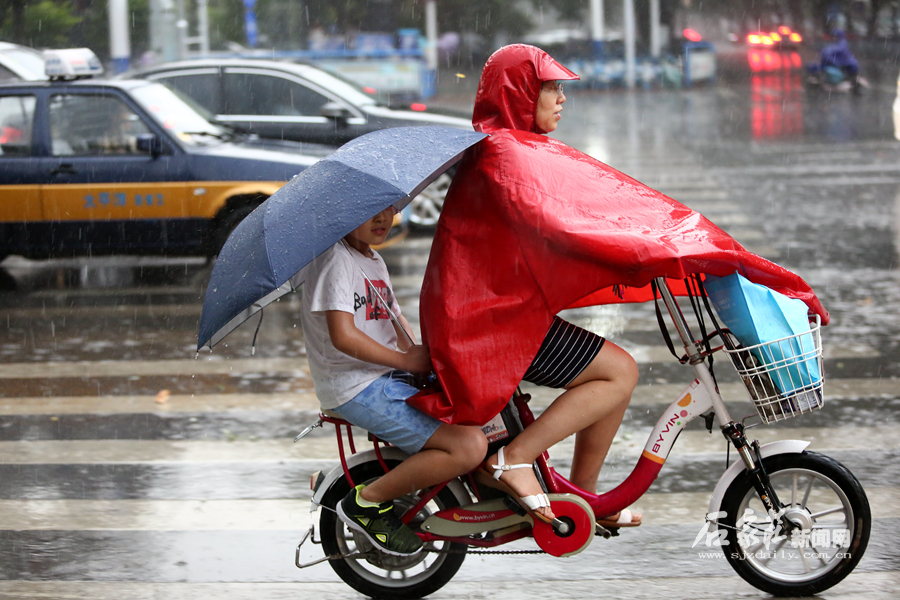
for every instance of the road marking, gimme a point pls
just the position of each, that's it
(175, 403)
(186, 366)
(666, 393)
(296, 366)
(157, 452)
(261, 514)
(628, 442)
(798, 169)
(154, 515)
(633, 584)
(661, 393)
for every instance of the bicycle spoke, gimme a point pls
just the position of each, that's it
(796, 479)
(819, 555)
(806, 567)
(808, 491)
(752, 549)
(830, 524)
(774, 551)
(828, 512)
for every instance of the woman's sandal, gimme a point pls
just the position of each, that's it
(625, 519)
(531, 503)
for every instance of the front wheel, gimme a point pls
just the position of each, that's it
(830, 518)
(379, 575)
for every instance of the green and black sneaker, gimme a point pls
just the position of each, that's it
(380, 524)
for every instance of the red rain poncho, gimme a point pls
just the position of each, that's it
(530, 227)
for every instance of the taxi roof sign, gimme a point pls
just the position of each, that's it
(71, 62)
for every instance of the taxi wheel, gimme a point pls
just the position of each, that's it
(225, 223)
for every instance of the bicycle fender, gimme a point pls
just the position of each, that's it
(766, 450)
(388, 453)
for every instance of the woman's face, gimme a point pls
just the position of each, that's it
(549, 106)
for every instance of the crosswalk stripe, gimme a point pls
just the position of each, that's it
(176, 403)
(628, 443)
(298, 365)
(262, 514)
(801, 169)
(870, 585)
(155, 515)
(650, 393)
(200, 366)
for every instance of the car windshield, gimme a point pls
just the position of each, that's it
(28, 60)
(177, 116)
(349, 90)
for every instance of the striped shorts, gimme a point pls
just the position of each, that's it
(565, 352)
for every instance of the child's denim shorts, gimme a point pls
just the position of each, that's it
(381, 409)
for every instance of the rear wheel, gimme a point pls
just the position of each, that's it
(379, 575)
(831, 513)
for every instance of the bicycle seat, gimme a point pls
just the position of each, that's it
(329, 416)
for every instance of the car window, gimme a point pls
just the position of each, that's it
(177, 116)
(16, 119)
(348, 89)
(92, 124)
(7, 75)
(202, 87)
(258, 94)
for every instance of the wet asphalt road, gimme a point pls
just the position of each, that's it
(107, 493)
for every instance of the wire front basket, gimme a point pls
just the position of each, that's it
(785, 377)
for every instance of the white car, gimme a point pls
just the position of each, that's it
(284, 100)
(20, 63)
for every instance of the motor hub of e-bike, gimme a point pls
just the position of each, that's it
(800, 517)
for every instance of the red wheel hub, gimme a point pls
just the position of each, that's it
(578, 515)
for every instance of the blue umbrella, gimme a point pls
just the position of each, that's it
(262, 258)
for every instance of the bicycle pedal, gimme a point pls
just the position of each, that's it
(605, 533)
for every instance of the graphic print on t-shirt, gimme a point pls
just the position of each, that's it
(374, 308)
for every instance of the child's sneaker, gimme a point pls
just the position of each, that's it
(379, 524)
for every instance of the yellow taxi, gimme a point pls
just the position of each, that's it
(90, 167)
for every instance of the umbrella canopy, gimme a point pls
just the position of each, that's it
(263, 257)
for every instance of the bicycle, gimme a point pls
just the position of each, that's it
(778, 491)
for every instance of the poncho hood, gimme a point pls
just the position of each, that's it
(510, 85)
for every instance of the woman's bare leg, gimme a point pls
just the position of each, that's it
(593, 406)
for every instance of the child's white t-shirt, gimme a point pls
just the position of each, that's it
(334, 281)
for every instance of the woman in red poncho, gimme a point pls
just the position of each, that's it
(531, 227)
(519, 90)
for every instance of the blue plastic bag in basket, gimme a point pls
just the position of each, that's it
(757, 315)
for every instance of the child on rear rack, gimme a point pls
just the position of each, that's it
(361, 364)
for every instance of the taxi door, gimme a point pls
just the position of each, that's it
(20, 198)
(102, 193)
